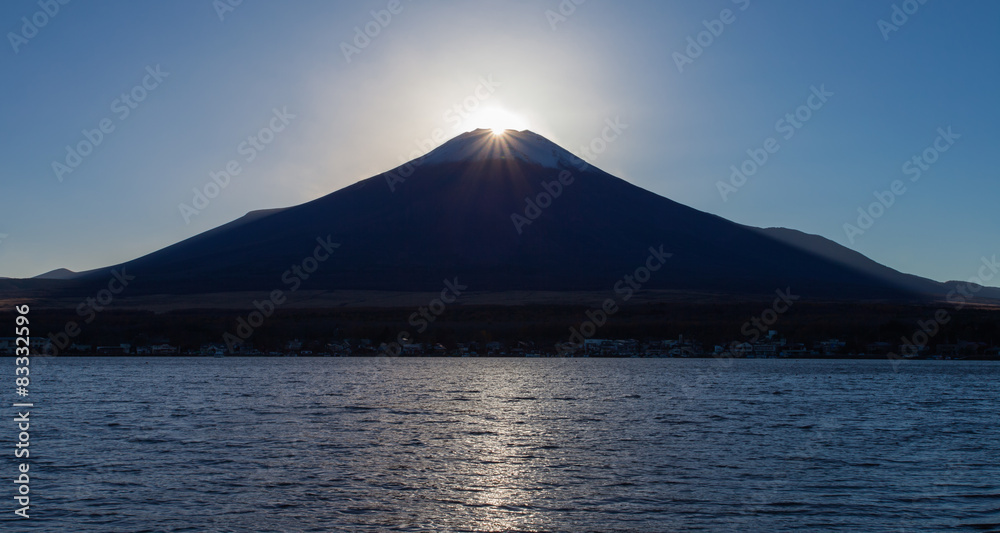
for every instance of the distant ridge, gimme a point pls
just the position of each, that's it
(511, 212)
(59, 273)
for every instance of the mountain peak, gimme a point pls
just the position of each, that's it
(486, 209)
(484, 145)
(59, 273)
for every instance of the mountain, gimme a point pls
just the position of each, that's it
(59, 273)
(511, 212)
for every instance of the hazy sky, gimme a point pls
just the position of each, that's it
(345, 114)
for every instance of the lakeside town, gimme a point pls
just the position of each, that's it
(771, 346)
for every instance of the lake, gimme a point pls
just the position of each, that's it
(330, 444)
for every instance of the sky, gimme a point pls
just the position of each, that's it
(115, 113)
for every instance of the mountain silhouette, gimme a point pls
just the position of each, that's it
(507, 212)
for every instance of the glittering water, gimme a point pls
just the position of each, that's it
(509, 445)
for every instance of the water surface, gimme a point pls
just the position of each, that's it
(177, 444)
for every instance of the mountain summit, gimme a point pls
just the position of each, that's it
(485, 145)
(509, 212)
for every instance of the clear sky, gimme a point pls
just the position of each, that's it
(686, 112)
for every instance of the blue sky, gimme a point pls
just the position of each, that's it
(347, 116)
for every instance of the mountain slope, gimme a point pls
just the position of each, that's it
(455, 213)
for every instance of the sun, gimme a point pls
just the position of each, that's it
(495, 119)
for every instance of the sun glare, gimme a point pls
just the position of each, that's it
(496, 120)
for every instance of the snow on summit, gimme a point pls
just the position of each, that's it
(484, 144)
